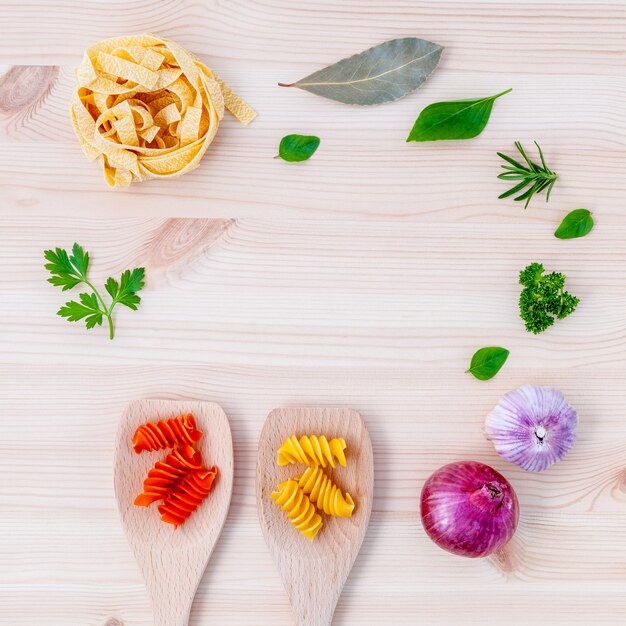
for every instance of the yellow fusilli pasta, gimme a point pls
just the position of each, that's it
(312, 451)
(324, 494)
(300, 510)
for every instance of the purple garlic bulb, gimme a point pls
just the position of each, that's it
(532, 426)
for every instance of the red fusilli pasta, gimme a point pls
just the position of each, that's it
(166, 474)
(185, 497)
(181, 430)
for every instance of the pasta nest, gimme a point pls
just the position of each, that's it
(147, 108)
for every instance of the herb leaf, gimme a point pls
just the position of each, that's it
(487, 362)
(576, 223)
(80, 260)
(455, 119)
(63, 273)
(112, 287)
(383, 73)
(130, 283)
(297, 147)
(67, 271)
(88, 308)
(534, 177)
(543, 298)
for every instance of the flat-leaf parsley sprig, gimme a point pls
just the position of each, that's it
(69, 270)
(532, 175)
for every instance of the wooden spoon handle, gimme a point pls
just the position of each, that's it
(315, 621)
(170, 613)
(319, 615)
(172, 579)
(163, 619)
(313, 600)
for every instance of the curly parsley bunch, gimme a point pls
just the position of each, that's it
(543, 298)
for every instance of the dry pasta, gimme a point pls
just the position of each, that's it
(187, 495)
(146, 108)
(179, 430)
(166, 474)
(312, 450)
(324, 494)
(300, 511)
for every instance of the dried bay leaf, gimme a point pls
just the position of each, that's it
(381, 74)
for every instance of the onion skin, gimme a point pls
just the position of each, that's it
(469, 509)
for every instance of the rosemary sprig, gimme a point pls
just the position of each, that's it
(539, 177)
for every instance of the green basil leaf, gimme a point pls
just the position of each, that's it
(297, 147)
(455, 119)
(486, 362)
(383, 73)
(577, 223)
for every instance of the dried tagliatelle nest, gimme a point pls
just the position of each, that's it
(146, 108)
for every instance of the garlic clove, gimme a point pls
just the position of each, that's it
(532, 427)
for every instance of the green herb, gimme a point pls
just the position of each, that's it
(535, 177)
(383, 73)
(487, 362)
(543, 298)
(576, 223)
(455, 119)
(297, 147)
(68, 271)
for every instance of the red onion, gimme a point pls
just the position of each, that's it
(469, 509)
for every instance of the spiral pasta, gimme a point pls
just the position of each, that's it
(165, 474)
(146, 108)
(181, 430)
(187, 495)
(300, 510)
(312, 450)
(324, 494)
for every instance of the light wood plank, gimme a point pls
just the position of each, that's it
(379, 316)
(564, 61)
(562, 547)
(282, 31)
(260, 285)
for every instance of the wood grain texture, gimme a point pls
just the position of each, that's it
(172, 560)
(564, 61)
(380, 316)
(314, 572)
(408, 264)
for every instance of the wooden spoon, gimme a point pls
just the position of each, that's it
(172, 560)
(314, 572)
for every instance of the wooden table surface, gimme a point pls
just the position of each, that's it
(364, 278)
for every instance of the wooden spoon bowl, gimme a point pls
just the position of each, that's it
(172, 560)
(314, 572)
